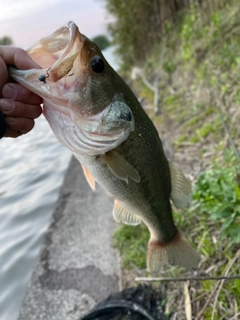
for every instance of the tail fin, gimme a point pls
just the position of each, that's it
(177, 252)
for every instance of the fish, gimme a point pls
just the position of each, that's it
(94, 113)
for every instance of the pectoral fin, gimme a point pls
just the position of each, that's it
(181, 187)
(89, 178)
(120, 167)
(120, 214)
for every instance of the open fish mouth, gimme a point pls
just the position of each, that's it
(56, 54)
(82, 102)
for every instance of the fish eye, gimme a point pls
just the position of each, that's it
(97, 64)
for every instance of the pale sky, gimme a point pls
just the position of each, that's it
(27, 21)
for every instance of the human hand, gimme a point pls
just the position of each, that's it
(19, 105)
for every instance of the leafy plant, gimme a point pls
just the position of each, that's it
(217, 193)
(6, 41)
(102, 41)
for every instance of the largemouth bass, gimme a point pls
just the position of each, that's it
(94, 113)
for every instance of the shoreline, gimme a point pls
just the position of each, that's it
(77, 266)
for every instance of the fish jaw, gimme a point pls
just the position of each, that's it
(56, 55)
(78, 102)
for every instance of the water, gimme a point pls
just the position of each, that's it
(32, 169)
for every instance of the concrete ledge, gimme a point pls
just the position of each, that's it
(78, 267)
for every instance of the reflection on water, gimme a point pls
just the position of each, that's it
(32, 169)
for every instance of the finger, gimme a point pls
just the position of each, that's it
(4, 74)
(20, 109)
(17, 57)
(11, 133)
(15, 91)
(23, 125)
(13, 56)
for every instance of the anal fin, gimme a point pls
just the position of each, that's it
(181, 193)
(89, 177)
(120, 214)
(120, 167)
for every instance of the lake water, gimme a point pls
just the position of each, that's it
(32, 169)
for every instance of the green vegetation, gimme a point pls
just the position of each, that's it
(102, 41)
(132, 243)
(217, 194)
(198, 60)
(6, 41)
(132, 41)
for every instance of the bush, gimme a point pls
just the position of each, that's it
(217, 194)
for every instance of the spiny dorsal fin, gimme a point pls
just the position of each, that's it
(120, 167)
(181, 193)
(120, 214)
(89, 178)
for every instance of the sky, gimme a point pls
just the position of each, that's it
(27, 21)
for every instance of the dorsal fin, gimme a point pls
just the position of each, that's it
(89, 177)
(120, 214)
(181, 193)
(120, 167)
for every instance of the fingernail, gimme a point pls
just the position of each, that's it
(10, 120)
(9, 91)
(7, 106)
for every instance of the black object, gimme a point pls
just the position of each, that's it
(3, 125)
(42, 78)
(138, 303)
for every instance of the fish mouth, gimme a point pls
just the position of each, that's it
(87, 120)
(56, 55)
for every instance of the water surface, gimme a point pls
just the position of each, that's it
(32, 169)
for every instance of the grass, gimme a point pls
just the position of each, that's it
(132, 244)
(199, 89)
